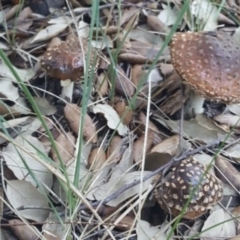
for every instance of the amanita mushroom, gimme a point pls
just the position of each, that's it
(176, 188)
(66, 62)
(209, 63)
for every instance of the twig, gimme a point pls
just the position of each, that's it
(160, 169)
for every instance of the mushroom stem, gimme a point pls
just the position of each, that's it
(67, 90)
(194, 105)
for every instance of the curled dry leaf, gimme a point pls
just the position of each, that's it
(73, 114)
(96, 159)
(138, 146)
(49, 32)
(113, 120)
(124, 112)
(227, 172)
(102, 84)
(228, 119)
(65, 144)
(169, 145)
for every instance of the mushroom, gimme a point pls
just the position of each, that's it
(208, 63)
(65, 61)
(185, 178)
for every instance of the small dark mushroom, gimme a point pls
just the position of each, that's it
(174, 191)
(209, 63)
(66, 60)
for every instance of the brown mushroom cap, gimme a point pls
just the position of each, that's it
(184, 177)
(209, 63)
(66, 60)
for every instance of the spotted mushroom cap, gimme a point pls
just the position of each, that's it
(174, 191)
(66, 60)
(209, 63)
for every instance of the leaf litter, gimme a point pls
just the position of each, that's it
(113, 126)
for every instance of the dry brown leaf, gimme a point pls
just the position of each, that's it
(114, 151)
(148, 49)
(108, 30)
(73, 114)
(65, 145)
(128, 13)
(134, 58)
(96, 159)
(137, 74)
(145, 231)
(101, 191)
(169, 145)
(227, 172)
(13, 11)
(157, 25)
(50, 236)
(233, 151)
(23, 193)
(102, 84)
(157, 138)
(166, 69)
(200, 128)
(169, 15)
(49, 32)
(113, 120)
(106, 211)
(23, 22)
(218, 225)
(228, 119)
(235, 238)
(23, 231)
(138, 146)
(28, 148)
(52, 230)
(124, 112)
(236, 211)
(123, 85)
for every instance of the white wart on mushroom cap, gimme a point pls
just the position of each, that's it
(209, 63)
(66, 60)
(174, 192)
